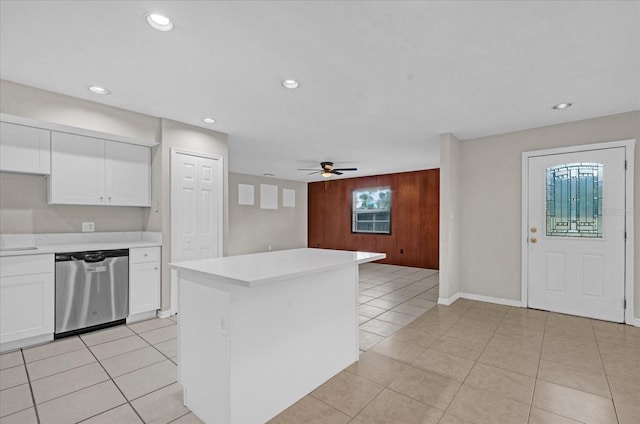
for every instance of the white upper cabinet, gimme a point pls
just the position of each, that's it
(91, 171)
(24, 149)
(127, 174)
(78, 169)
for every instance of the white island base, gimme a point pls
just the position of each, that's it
(256, 333)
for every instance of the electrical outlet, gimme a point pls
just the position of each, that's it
(88, 227)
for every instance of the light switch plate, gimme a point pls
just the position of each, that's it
(88, 227)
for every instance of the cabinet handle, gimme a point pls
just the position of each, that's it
(101, 198)
(109, 199)
(155, 269)
(146, 254)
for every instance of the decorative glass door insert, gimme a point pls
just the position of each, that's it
(574, 200)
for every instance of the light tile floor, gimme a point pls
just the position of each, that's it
(470, 362)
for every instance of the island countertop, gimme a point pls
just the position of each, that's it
(261, 268)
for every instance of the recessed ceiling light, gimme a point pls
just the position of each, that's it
(98, 90)
(208, 120)
(159, 22)
(290, 84)
(269, 175)
(562, 106)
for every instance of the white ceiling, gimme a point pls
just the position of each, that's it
(379, 81)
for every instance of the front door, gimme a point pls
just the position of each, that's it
(576, 233)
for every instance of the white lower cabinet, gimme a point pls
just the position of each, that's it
(27, 299)
(144, 280)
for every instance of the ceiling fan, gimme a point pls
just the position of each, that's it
(327, 170)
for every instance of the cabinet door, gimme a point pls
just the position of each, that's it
(24, 149)
(77, 170)
(127, 174)
(144, 287)
(26, 306)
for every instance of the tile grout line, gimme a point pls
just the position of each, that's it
(182, 416)
(474, 362)
(98, 361)
(10, 368)
(330, 406)
(116, 385)
(606, 374)
(399, 304)
(563, 385)
(410, 365)
(83, 365)
(33, 399)
(535, 379)
(577, 368)
(49, 357)
(383, 387)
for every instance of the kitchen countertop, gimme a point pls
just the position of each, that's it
(21, 245)
(267, 267)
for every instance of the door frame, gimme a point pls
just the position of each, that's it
(174, 152)
(629, 146)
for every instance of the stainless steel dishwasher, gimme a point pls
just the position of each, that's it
(92, 290)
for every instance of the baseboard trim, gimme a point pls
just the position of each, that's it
(488, 299)
(499, 301)
(29, 341)
(479, 298)
(449, 301)
(142, 316)
(164, 314)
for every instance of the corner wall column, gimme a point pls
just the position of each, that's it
(449, 215)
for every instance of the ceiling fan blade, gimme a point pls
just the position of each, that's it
(345, 169)
(311, 173)
(307, 169)
(335, 171)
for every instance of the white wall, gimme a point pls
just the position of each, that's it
(491, 194)
(24, 210)
(23, 198)
(187, 137)
(449, 217)
(252, 229)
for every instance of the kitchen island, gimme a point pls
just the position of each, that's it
(256, 333)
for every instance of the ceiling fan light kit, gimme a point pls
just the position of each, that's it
(327, 170)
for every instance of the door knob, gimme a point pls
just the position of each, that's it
(534, 229)
(533, 240)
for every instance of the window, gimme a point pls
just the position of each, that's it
(371, 209)
(574, 200)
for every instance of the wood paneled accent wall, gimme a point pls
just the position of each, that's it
(415, 204)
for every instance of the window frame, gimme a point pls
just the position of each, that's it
(354, 211)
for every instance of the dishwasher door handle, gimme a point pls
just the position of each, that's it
(91, 258)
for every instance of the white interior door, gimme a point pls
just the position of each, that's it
(196, 207)
(196, 210)
(576, 233)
